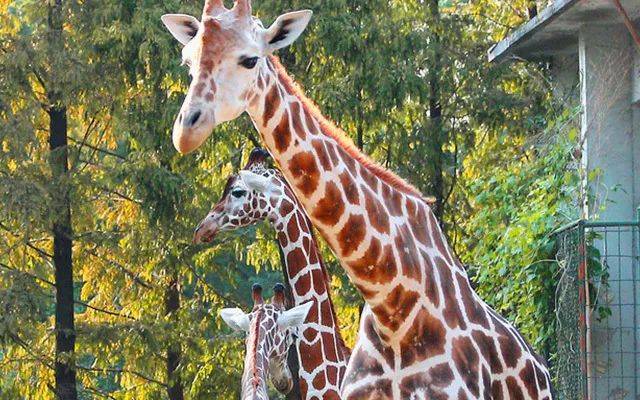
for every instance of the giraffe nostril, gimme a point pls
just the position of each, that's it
(193, 118)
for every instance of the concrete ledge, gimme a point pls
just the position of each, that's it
(555, 30)
(502, 49)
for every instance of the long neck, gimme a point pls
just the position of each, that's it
(254, 378)
(309, 280)
(381, 229)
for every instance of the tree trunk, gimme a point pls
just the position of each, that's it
(435, 115)
(65, 372)
(174, 352)
(62, 246)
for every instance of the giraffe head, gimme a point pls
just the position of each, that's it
(256, 193)
(225, 52)
(270, 332)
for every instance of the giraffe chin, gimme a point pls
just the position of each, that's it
(188, 139)
(204, 236)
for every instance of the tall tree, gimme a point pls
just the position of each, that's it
(61, 210)
(436, 132)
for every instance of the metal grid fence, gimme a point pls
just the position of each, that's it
(598, 311)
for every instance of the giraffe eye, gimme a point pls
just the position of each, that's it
(238, 193)
(249, 62)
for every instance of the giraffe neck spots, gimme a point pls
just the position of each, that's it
(426, 332)
(320, 341)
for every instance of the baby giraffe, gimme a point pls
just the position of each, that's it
(258, 193)
(270, 332)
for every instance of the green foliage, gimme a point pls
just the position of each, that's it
(525, 195)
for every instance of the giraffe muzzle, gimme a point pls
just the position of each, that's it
(191, 128)
(205, 232)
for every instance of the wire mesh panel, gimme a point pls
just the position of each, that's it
(570, 365)
(598, 311)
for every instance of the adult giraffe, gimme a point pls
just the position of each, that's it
(321, 351)
(424, 332)
(270, 332)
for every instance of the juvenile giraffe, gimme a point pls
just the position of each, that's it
(322, 353)
(424, 333)
(270, 332)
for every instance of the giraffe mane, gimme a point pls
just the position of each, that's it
(255, 378)
(329, 128)
(227, 187)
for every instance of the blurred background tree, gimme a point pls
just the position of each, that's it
(110, 235)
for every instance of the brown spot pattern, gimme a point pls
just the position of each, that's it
(347, 159)
(350, 188)
(467, 363)
(296, 261)
(452, 313)
(352, 234)
(381, 389)
(396, 307)
(330, 208)
(331, 149)
(321, 152)
(528, 377)
(489, 351)
(282, 134)
(310, 355)
(375, 211)
(297, 123)
(510, 351)
(292, 229)
(304, 169)
(368, 268)
(431, 289)
(376, 342)
(395, 203)
(370, 179)
(419, 226)
(496, 391)
(424, 339)
(309, 121)
(271, 104)
(408, 254)
(474, 310)
(515, 393)
(542, 378)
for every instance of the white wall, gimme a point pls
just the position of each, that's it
(609, 129)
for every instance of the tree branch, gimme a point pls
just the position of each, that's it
(121, 371)
(122, 268)
(102, 310)
(26, 242)
(35, 277)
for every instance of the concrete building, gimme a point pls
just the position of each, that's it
(596, 63)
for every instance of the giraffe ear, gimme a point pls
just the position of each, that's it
(254, 181)
(236, 319)
(182, 27)
(286, 29)
(295, 316)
